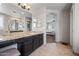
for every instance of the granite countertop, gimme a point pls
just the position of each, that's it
(17, 35)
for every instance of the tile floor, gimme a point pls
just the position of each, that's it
(53, 49)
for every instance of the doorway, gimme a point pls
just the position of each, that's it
(50, 27)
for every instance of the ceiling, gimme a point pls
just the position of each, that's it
(19, 11)
(56, 6)
(51, 6)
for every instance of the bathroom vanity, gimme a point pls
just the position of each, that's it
(27, 42)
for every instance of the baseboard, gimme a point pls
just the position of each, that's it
(64, 43)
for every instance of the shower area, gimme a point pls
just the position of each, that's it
(50, 27)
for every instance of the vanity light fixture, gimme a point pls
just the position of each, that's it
(25, 5)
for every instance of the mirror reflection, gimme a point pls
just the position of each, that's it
(19, 25)
(15, 24)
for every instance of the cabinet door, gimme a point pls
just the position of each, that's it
(20, 47)
(41, 40)
(20, 44)
(28, 46)
(36, 43)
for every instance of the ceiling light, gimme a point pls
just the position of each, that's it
(25, 5)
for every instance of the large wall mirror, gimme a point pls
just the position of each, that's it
(19, 24)
(16, 25)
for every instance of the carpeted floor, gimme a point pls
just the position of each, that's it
(53, 49)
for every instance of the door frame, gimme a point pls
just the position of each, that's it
(57, 36)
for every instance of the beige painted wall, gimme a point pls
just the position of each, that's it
(65, 25)
(76, 28)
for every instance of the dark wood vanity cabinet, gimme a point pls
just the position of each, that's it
(32, 43)
(26, 45)
(7, 43)
(41, 40)
(38, 41)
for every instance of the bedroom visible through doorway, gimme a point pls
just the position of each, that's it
(51, 27)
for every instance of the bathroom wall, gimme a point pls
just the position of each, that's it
(1, 21)
(4, 24)
(10, 10)
(65, 25)
(76, 28)
(39, 16)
